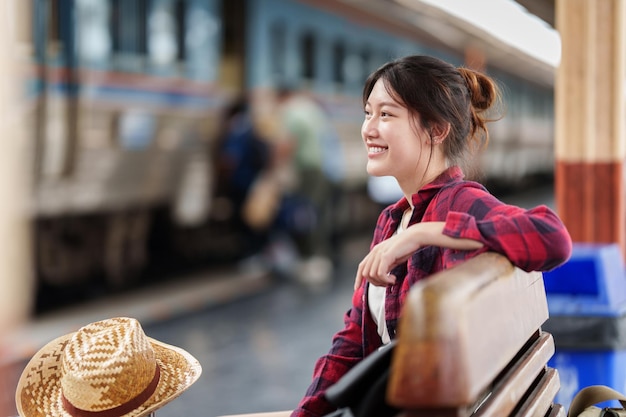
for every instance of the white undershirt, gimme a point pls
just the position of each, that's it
(376, 303)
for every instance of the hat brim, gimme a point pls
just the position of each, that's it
(38, 392)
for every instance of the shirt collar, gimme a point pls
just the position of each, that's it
(422, 198)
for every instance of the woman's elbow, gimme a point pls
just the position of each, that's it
(559, 250)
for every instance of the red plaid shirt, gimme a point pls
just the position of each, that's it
(534, 240)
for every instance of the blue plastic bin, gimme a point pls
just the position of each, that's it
(587, 307)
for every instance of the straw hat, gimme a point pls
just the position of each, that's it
(108, 368)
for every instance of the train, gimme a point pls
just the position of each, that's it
(125, 100)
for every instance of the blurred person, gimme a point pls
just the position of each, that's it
(108, 367)
(241, 155)
(424, 119)
(305, 213)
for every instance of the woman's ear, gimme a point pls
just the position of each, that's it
(439, 132)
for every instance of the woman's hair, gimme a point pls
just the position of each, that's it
(438, 92)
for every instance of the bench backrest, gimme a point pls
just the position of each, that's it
(470, 343)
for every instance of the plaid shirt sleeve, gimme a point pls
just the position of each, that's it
(533, 239)
(347, 350)
(350, 345)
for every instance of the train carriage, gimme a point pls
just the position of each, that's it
(125, 94)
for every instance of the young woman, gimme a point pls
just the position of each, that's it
(423, 120)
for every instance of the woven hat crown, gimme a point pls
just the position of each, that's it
(106, 364)
(108, 368)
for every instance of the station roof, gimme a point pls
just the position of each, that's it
(543, 9)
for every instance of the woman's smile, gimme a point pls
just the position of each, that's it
(375, 150)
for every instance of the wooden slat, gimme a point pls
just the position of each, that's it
(460, 328)
(513, 385)
(557, 410)
(542, 396)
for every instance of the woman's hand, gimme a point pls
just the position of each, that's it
(383, 257)
(388, 254)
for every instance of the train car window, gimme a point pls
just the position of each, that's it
(163, 37)
(278, 49)
(307, 50)
(46, 30)
(93, 35)
(367, 57)
(53, 21)
(339, 56)
(128, 30)
(202, 40)
(354, 71)
(53, 32)
(181, 28)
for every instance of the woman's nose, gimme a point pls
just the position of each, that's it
(369, 127)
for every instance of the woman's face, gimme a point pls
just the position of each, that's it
(394, 139)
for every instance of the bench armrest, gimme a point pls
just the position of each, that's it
(460, 328)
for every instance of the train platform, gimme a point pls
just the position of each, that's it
(208, 313)
(160, 302)
(184, 294)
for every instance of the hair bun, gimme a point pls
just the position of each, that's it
(483, 91)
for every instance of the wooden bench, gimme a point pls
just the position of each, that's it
(470, 343)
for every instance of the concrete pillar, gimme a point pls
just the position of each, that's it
(15, 183)
(16, 297)
(590, 133)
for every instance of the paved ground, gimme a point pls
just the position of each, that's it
(257, 353)
(256, 336)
